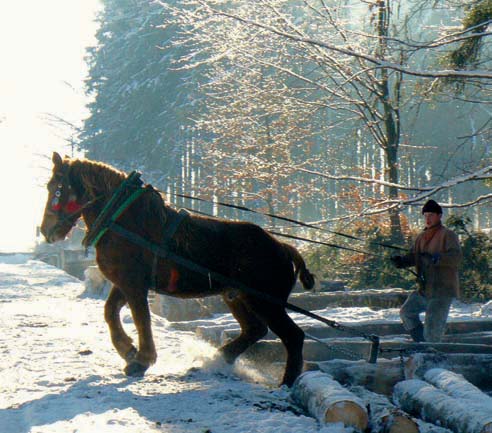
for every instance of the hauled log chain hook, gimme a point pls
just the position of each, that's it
(350, 354)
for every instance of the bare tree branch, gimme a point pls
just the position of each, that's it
(378, 63)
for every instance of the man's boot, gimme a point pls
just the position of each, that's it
(417, 333)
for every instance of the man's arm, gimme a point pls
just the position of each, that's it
(452, 255)
(405, 260)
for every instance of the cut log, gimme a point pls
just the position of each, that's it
(328, 401)
(470, 338)
(458, 332)
(458, 387)
(231, 332)
(421, 399)
(375, 299)
(476, 368)
(380, 377)
(384, 416)
(428, 427)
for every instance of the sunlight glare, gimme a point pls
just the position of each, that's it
(41, 76)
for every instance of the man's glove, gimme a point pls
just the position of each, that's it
(398, 261)
(436, 257)
(430, 259)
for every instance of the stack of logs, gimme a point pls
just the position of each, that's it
(411, 397)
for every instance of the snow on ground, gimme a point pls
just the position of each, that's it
(60, 373)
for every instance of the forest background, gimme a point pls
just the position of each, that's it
(347, 114)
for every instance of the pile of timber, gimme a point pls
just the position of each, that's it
(386, 373)
(441, 402)
(467, 337)
(176, 310)
(447, 399)
(473, 332)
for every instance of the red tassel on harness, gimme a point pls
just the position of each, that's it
(72, 207)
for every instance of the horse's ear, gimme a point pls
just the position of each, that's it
(57, 159)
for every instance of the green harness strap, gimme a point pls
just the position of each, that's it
(104, 219)
(124, 206)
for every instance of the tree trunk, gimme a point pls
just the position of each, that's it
(421, 399)
(328, 401)
(391, 122)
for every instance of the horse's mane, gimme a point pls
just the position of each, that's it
(94, 178)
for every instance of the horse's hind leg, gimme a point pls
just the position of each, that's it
(252, 329)
(121, 341)
(291, 335)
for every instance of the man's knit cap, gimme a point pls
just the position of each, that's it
(432, 206)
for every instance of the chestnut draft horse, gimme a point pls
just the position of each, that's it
(241, 252)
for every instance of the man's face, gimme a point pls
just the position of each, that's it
(431, 219)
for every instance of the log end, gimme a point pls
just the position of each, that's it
(348, 413)
(399, 424)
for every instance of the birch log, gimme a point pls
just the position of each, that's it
(421, 399)
(476, 368)
(384, 416)
(456, 386)
(328, 401)
(380, 377)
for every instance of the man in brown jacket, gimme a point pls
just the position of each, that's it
(436, 254)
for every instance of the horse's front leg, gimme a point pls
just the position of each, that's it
(146, 354)
(121, 341)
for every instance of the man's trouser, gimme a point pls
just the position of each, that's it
(436, 314)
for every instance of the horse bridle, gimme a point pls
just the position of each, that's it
(72, 208)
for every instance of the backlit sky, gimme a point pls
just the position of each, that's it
(41, 74)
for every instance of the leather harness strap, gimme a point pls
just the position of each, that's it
(168, 234)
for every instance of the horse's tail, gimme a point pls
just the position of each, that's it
(307, 278)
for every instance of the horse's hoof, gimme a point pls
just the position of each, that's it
(135, 369)
(130, 355)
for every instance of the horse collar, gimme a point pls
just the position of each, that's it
(110, 212)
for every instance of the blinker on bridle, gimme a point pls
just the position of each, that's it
(71, 207)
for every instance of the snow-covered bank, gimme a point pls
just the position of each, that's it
(60, 372)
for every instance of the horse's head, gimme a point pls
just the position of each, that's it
(63, 207)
